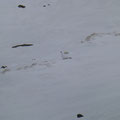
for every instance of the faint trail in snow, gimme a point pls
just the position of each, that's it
(43, 64)
(94, 35)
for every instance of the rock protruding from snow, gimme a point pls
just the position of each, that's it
(22, 45)
(79, 115)
(21, 6)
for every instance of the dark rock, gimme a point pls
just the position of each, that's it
(79, 115)
(4, 66)
(22, 45)
(21, 6)
(44, 5)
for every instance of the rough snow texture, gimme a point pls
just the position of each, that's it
(38, 84)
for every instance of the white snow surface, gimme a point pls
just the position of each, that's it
(37, 83)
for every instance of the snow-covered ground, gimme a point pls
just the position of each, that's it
(38, 83)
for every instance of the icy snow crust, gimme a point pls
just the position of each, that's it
(37, 83)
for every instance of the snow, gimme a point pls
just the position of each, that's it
(38, 84)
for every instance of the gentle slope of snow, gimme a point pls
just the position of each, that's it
(38, 84)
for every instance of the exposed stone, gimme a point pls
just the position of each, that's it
(79, 115)
(44, 5)
(4, 67)
(21, 6)
(22, 45)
